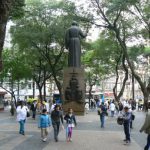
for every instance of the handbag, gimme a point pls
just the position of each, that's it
(28, 114)
(120, 120)
(132, 117)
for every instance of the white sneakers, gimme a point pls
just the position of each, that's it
(44, 140)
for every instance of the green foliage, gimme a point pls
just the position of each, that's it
(14, 66)
(147, 49)
(136, 51)
(100, 59)
(17, 9)
(39, 35)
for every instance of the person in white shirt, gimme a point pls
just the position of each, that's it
(86, 108)
(21, 116)
(47, 107)
(112, 108)
(125, 103)
(52, 106)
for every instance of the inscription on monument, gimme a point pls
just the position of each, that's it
(72, 92)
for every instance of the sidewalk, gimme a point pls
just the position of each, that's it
(94, 138)
(87, 136)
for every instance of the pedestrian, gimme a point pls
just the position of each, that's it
(133, 103)
(86, 107)
(53, 106)
(70, 123)
(146, 129)
(126, 124)
(47, 106)
(57, 118)
(33, 109)
(12, 108)
(132, 115)
(112, 108)
(21, 116)
(102, 111)
(44, 123)
(120, 108)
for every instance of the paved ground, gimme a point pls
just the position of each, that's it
(87, 136)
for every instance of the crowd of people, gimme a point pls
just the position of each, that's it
(53, 116)
(47, 117)
(124, 110)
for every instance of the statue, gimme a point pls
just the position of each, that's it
(72, 43)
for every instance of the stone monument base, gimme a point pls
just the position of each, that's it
(78, 109)
(74, 92)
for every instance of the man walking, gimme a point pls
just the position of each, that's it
(33, 108)
(56, 117)
(146, 129)
(102, 111)
(126, 124)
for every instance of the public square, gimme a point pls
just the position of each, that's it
(66, 57)
(86, 136)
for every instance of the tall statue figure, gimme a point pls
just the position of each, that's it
(72, 43)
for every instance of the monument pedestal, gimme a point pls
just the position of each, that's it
(74, 90)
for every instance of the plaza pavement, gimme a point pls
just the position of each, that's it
(86, 136)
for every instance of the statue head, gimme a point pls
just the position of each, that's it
(74, 23)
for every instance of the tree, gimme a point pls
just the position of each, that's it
(47, 22)
(15, 69)
(9, 9)
(97, 62)
(116, 17)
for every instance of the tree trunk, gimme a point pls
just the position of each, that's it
(58, 84)
(33, 87)
(117, 77)
(125, 78)
(133, 96)
(44, 90)
(44, 85)
(124, 48)
(18, 88)
(90, 95)
(5, 6)
(117, 96)
(59, 87)
(40, 94)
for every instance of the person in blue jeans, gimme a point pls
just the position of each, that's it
(146, 129)
(70, 123)
(102, 111)
(44, 123)
(56, 117)
(21, 116)
(126, 124)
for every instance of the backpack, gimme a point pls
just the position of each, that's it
(104, 110)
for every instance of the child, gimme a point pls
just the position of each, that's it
(44, 122)
(70, 120)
